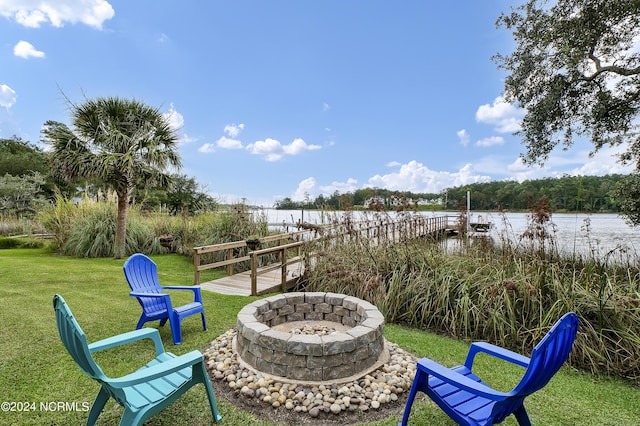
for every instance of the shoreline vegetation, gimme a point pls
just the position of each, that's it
(508, 292)
(505, 292)
(566, 194)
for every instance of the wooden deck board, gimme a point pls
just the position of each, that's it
(240, 284)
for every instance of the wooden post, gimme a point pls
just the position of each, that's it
(229, 266)
(254, 274)
(283, 261)
(196, 264)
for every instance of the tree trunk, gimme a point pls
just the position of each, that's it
(119, 249)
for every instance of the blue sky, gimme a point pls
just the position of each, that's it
(283, 98)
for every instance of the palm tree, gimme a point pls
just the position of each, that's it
(119, 141)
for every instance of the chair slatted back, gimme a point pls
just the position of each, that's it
(74, 339)
(546, 359)
(142, 275)
(549, 354)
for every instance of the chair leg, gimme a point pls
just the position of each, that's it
(204, 322)
(98, 405)
(522, 416)
(176, 331)
(141, 322)
(420, 382)
(129, 418)
(163, 321)
(212, 398)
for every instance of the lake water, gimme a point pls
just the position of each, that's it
(596, 234)
(579, 233)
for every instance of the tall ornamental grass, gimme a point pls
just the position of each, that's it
(509, 293)
(87, 228)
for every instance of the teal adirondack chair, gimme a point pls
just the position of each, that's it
(144, 392)
(466, 399)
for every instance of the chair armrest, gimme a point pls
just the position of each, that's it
(179, 287)
(496, 351)
(128, 337)
(459, 380)
(156, 295)
(156, 371)
(197, 296)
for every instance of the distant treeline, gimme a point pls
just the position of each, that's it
(567, 193)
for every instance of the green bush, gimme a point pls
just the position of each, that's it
(10, 243)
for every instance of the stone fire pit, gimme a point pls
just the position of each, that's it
(311, 337)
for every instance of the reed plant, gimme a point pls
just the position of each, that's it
(10, 226)
(87, 228)
(509, 293)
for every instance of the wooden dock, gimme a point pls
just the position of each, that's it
(287, 249)
(267, 282)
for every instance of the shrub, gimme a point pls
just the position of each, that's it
(9, 243)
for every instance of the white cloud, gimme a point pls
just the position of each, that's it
(307, 186)
(270, 148)
(184, 138)
(228, 143)
(603, 162)
(493, 140)
(325, 106)
(33, 13)
(7, 96)
(273, 150)
(393, 164)
(463, 136)
(342, 187)
(310, 186)
(504, 116)
(298, 146)
(576, 162)
(176, 122)
(25, 50)
(174, 118)
(233, 130)
(207, 148)
(416, 177)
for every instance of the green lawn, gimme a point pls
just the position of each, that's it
(35, 368)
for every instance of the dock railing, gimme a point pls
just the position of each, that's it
(291, 243)
(229, 248)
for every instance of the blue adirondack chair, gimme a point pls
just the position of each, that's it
(142, 275)
(469, 401)
(144, 392)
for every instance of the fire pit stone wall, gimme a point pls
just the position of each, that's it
(310, 357)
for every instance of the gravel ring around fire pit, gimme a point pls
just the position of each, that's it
(374, 396)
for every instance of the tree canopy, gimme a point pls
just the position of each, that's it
(576, 71)
(564, 194)
(121, 142)
(18, 158)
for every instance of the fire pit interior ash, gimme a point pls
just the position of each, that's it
(311, 337)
